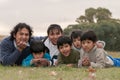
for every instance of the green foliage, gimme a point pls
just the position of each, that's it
(109, 31)
(94, 15)
(105, 27)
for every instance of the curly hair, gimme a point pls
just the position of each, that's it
(18, 27)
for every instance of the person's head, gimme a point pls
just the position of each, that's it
(88, 39)
(100, 44)
(54, 31)
(64, 45)
(75, 37)
(21, 32)
(37, 48)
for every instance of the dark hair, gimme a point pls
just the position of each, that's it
(18, 27)
(75, 34)
(54, 26)
(63, 40)
(37, 46)
(89, 35)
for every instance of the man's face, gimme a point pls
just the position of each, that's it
(54, 35)
(22, 35)
(65, 49)
(87, 45)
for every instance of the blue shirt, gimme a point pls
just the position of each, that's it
(27, 61)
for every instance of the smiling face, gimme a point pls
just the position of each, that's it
(54, 35)
(22, 35)
(65, 49)
(88, 45)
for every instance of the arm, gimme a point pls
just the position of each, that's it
(47, 56)
(27, 61)
(8, 53)
(60, 61)
(100, 60)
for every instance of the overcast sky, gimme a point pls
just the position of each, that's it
(41, 13)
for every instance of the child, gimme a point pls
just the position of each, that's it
(54, 32)
(39, 57)
(75, 37)
(67, 55)
(94, 56)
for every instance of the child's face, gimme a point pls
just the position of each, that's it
(54, 35)
(38, 55)
(65, 49)
(77, 42)
(87, 45)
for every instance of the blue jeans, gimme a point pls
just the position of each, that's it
(116, 61)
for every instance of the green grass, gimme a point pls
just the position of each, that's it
(63, 73)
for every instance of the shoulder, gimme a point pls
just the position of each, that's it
(100, 52)
(6, 41)
(30, 56)
(46, 54)
(46, 40)
(75, 52)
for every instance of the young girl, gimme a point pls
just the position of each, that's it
(67, 55)
(39, 57)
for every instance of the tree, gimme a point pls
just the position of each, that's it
(105, 27)
(90, 14)
(103, 14)
(94, 15)
(81, 19)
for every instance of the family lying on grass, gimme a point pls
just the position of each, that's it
(81, 49)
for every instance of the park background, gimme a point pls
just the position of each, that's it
(70, 14)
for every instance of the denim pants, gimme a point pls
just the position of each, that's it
(116, 61)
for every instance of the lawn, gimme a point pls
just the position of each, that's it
(57, 73)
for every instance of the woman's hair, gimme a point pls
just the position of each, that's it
(54, 26)
(63, 40)
(18, 27)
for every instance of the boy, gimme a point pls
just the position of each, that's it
(94, 56)
(39, 57)
(75, 37)
(67, 55)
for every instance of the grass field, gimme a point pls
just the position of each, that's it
(61, 73)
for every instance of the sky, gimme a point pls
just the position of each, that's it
(39, 14)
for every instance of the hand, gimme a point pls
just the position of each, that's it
(44, 62)
(70, 65)
(85, 61)
(35, 61)
(21, 45)
(41, 62)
